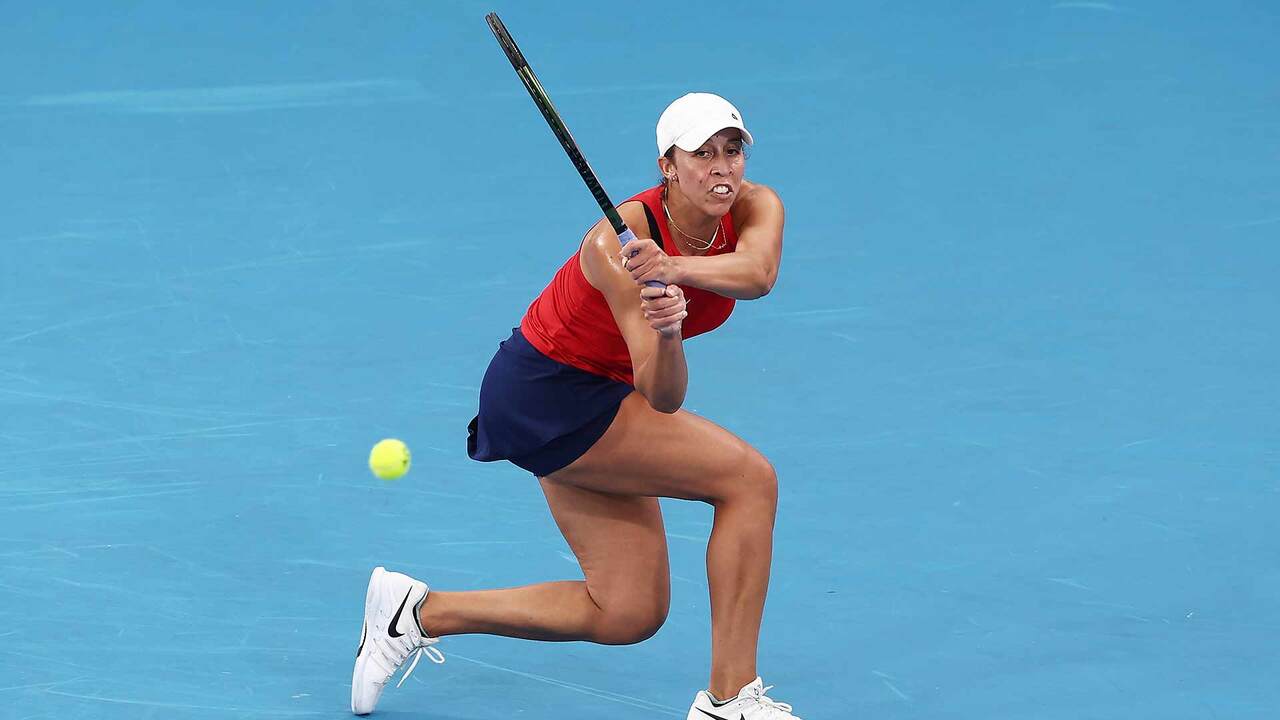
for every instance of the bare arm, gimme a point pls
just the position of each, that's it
(649, 320)
(747, 273)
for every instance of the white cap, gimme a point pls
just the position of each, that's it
(690, 120)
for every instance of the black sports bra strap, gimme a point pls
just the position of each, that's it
(654, 230)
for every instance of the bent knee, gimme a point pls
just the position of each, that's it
(632, 624)
(765, 477)
(752, 480)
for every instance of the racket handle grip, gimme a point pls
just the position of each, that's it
(627, 236)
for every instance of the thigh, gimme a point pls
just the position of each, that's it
(619, 541)
(678, 455)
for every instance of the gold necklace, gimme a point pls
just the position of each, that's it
(689, 238)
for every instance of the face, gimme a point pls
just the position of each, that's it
(709, 177)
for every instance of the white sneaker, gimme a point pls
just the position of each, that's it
(750, 704)
(389, 635)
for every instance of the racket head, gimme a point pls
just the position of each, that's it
(505, 40)
(561, 131)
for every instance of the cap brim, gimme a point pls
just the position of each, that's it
(693, 139)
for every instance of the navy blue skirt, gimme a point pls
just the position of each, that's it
(538, 413)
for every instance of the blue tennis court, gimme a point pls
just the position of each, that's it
(1018, 377)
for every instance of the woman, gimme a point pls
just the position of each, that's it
(586, 395)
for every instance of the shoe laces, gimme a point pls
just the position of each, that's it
(758, 695)
(423, 648)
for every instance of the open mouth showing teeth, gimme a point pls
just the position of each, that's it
(721, 190)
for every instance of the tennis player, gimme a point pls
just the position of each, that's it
(586, 395)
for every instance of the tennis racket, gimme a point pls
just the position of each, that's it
(561, 131)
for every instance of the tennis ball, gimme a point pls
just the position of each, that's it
(389, 459)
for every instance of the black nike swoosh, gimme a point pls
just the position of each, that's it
(395, 619)
(717, 717)
(364, 632)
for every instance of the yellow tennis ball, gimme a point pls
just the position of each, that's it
(389, 459)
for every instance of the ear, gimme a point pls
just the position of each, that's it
(667, 167)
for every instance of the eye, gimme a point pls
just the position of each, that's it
(702, 154)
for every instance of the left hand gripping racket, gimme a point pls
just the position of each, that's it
(558, 127)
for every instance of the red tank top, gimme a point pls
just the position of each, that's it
(570, 321)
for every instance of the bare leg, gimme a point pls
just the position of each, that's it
(684, 456)
(621, 545)
(604, 504)
(552, 611)
(738, 561)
